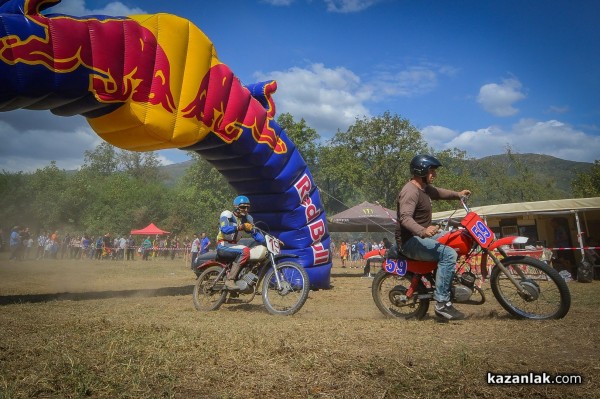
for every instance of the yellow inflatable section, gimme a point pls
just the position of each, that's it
(143, 126)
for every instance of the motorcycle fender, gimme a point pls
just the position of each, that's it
(508, 241)
(200, 268)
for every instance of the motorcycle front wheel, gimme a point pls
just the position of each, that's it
(291, 295)
(544, 295)
(209, 292)
(389, 294)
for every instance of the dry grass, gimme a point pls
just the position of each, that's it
(76, 329)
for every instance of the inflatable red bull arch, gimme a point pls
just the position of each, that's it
(151, 82)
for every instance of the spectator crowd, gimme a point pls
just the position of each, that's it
(52, 245)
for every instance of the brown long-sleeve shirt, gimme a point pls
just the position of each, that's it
(413, 209)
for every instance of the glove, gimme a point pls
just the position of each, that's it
(248, 227)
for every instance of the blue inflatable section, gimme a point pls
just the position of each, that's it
(284, 197)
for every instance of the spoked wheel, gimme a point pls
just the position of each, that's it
(209, 292)
(545, 293)
(288, 298)
(390, 295)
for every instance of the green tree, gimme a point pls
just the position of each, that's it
(454, 175)
(200, 196)
(305, 138)
(48, 202)
(140, 165)
(510, 179)
(368, 161)
(586, 185)
(102, 160)
(15, 198)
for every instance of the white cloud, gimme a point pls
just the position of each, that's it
(78, 8)
(348, 6)
(332, 98)
(551, 137)
(498, 99)
(328, 99)
(411, 81)
(33, 148)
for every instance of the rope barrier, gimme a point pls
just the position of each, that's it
(566, 248)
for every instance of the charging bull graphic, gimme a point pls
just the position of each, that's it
(151, 82)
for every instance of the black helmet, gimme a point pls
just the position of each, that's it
(420, 164)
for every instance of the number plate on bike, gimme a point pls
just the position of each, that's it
(395, 266)
(478, 229)
(273, 244)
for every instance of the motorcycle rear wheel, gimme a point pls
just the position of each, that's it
(547, 294)
(389, 294)
(209, 293)
(294, 289)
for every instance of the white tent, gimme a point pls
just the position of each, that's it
(573, 206)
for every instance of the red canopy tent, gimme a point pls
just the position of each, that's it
(150, 230)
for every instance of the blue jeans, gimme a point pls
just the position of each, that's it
(429, 249)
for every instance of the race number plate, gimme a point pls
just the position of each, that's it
(273, 244)
(478, 229)
(395, 266)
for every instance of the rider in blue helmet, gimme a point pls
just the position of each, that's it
(417, 237)
(231, 226)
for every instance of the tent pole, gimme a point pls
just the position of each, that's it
(579, 234)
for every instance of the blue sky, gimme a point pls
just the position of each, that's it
(477, 75)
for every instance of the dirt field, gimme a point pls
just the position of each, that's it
(106, 329)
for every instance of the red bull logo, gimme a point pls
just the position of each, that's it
(142, 76)
(220, 105)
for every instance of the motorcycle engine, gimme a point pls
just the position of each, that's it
(468, 279)
(246, 280)
(461, 293)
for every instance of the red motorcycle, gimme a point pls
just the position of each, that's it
(525, 287)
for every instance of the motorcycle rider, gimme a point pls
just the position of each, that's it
(231, 225)
(417, 237)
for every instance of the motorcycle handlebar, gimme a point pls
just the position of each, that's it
(265, 233)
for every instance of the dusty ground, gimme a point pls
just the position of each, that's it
(108, 329)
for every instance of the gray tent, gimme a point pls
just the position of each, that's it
(365, 217)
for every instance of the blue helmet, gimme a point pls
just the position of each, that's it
(241, 200)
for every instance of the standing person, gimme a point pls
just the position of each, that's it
(361, 252)
(41, 241)
(130, 248)
(146, 247)
(64, 245)
(417, 237)
(14, 243)
(204, 243)
(231, 224)
(122, 248)
(195, 248)
(85, 246)
(353, 254)
(28, 245)
(343, 253)
(25, 235)
(54, 240)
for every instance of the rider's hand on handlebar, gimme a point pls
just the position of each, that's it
(247, 227)
(464, 193)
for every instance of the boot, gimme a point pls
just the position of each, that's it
(231, 276)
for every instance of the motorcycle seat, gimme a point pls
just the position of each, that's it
(201, 258)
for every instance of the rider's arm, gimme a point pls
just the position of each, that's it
(225, 226)
(445, 194)
(257, 236)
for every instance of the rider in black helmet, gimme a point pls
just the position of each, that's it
(417, 237)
